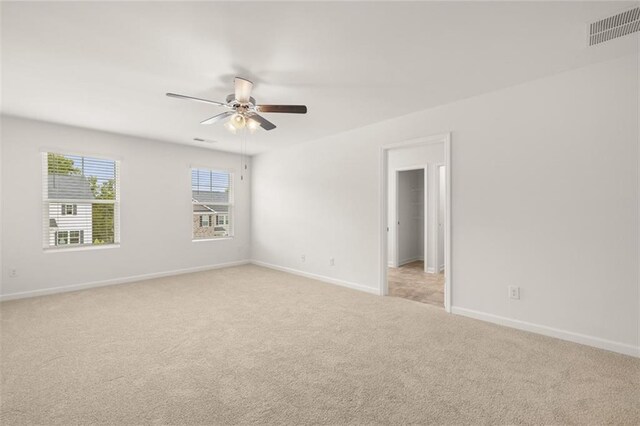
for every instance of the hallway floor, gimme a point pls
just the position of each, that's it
(411, 282)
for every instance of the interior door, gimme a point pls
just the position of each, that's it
(410, 217)
(442, 191)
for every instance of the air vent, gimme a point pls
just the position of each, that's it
(614, 26)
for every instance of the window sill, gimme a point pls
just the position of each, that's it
(80, 248)
(212, 239)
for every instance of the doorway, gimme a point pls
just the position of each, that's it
(441, 188)
(415, 230)
(415, 273)
(410, 217)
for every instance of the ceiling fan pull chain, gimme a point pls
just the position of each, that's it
(243, 143)
(244, 149)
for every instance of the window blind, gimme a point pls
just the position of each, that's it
(212, 199)
(80, 200)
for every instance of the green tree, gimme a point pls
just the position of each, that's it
(102, 214)
(61, 165)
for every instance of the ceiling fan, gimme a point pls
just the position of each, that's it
(243, 108)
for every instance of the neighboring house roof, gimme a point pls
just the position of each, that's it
(202, 209)
(210, 197)
(210, 209)
(53, 223)
(65, 187)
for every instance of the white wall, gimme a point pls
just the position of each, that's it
(544, 196)
(155, 218)
(401, 158)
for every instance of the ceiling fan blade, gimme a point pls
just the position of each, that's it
(191, 98)
(288, 109)
(263, 122)
(242, 89)
(217, 117)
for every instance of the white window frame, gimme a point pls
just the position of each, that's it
(222, 219)
(78, 237)
(58, 236)
(68, 237)
(46, 238)
(230, 205)
(65, 211)
(208, 219)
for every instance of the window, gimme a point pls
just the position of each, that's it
(222, 219)
(80, 200)
(74, 237)
(211, 196)
(62, 238)
(69, 209)
(69, 237)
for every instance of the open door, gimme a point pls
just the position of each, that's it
(442, 192)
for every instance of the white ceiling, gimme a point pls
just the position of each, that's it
(108, 65)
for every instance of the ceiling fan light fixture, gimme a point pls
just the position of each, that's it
(252, 125)
(238, 121)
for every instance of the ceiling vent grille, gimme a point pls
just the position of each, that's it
(614, 26)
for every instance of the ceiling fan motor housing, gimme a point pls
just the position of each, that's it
(231, 100)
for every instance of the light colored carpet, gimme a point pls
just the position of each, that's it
(251, 345)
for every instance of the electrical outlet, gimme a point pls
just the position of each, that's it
(514, 292)
(303, 258)
(13, 273)
(332, 261)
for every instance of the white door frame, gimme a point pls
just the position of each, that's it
(444, 138)
(396, 253)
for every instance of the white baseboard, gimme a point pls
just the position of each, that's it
(413, 259)
(431, 270)
(322, 278)
(570, 336)
(114, 281)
